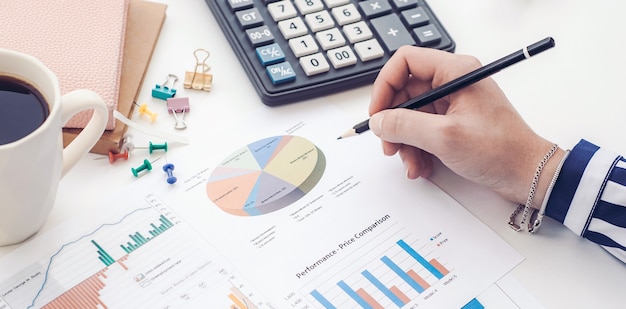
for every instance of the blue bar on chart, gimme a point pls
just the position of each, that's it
(322, 300)
(420, 259)
(473, 304)
(393, 293)
(390, 290)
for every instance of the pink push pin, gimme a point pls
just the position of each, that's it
(168, 168)
(115, 156)
(143, 109)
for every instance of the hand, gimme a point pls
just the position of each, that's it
(475, 132)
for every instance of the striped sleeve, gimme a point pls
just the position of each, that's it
(589, 197)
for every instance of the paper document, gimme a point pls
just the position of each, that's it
(272, 213)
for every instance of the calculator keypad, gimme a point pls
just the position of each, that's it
(299, 49)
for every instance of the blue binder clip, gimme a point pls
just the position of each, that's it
(164, 92)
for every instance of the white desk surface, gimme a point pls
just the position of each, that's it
(573, 91)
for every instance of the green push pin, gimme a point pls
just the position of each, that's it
(154, 147)
(145, 166)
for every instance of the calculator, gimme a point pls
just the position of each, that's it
(293, 50)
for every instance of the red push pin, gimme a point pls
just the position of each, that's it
(115, 156)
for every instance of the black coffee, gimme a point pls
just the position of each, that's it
(22, 109)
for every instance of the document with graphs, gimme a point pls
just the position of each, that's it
(275, 212)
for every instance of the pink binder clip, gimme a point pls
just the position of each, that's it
(175, 106)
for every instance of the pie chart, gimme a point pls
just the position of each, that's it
(266, 175)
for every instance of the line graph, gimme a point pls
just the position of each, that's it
(144, 258)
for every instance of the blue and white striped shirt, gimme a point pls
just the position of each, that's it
(589, 197)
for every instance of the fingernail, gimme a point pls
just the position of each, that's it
(406, 168)
(375, 123)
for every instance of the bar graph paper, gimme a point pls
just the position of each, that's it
(391, 280)
(144, 258)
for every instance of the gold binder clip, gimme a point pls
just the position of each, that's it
(199, 79)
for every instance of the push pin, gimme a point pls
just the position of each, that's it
(175, 106)
(127, 143)
(163, 91)
(152, 147)
(145, 166)
(168, 168)
(199, 79)
(143, 110)
(115, 156)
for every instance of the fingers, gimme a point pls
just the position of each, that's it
(414, 70)
(414, 128)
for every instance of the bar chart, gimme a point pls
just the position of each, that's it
(392, 279)
(144, 258)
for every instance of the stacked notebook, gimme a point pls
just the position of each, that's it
(106, 49)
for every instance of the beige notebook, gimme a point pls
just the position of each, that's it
(80, 41)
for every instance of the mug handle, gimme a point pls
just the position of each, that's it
(72, 103)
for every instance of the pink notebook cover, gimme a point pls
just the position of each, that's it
(80, 41)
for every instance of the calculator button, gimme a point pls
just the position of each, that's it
(357, 32)
(333, 3)
(310, 48)
(236, 5)
(415, 17)
(314, 64)
(281, 72)
(249, 18)
(375, 8)
(392, 32)
(319, 21)
(260, 36)
(427, 35)
(331, 38)
(404, 4)
(304, 45)
(346, 14)
(270, 54)
(309, 6)
(341, 57)
(293, 27)
(369, 50)
(281, 10)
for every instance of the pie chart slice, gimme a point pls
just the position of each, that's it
(266, 175)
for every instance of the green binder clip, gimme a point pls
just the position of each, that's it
(164, 92)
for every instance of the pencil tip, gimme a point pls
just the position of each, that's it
(347, 134)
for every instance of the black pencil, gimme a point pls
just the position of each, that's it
(463, 81)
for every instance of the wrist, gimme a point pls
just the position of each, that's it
(545, 178)
(528, 209)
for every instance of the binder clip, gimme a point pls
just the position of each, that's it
(175, 106)
(199, 79)
(164, 92)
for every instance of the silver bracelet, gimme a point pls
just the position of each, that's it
(537, 223)
(533, 187)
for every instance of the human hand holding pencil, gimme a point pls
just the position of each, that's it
(474, 130)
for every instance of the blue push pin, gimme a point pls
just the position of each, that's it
(145, 166)
(164, 92)
(168, 168)
(153, 147)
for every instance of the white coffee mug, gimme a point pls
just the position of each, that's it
(32, 166)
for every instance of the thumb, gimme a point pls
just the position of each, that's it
(410, 127)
